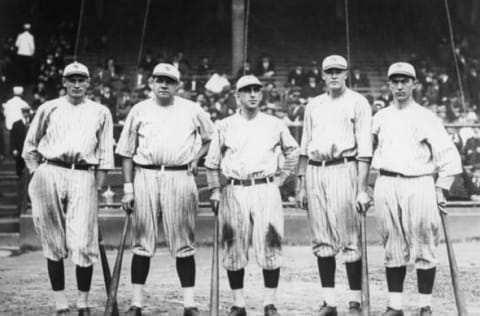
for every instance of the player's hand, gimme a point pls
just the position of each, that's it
(363, 202)
(128, 201)
(215, 200)
(441, 201)
(301, 198)
(279, 179)
(193, 168)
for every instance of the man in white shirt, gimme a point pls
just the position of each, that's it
(25, 44)
(12, 109)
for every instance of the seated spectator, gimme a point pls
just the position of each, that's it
(108, 99)
(271, 94)
(314, 71)
(182, 64)
(359, 79)
(471, 181)
(385, 95)
(111, 74)
(311, 89)
(148, 62)
(296, 77)
(138, 79)
(246, 69)
(265, 68)
(205, 68)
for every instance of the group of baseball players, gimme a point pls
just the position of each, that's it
(69, 148)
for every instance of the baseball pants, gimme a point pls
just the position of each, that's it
(334, 221)
(251, 214)
(64, 209)
(174, 196)
(408, 220)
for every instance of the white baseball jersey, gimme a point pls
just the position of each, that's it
(248, 149)
(64, 201)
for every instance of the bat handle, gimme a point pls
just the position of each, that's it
(365, 285)
(214, 290)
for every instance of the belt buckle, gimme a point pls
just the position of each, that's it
(162, 168)
(252, 181)
(345, 160)
(323, 163)
(72, 166)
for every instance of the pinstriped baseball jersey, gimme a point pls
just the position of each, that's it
(64, 201)
(247, 149)
(337, 127)
(164, 135)
(80, 134)
(413, 142)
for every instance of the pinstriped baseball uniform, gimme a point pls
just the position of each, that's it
(247, 149)
(411, 142)
(335, 128)
(164, 135)
(64, 201)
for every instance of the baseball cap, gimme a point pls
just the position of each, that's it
(17, 90)
(76, 68)
(334, 62)
(403, 69)
(247, 80)
(166, 70)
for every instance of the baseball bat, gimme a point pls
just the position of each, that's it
(214, 282)
(112, 291)
(107, 277)
(457, 289)
(365, 285)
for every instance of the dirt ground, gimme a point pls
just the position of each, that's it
(25, 289)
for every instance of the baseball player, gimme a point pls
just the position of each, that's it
(160, 141)
(412, 146)
(69, 148)
(245, 147)
(335, 154)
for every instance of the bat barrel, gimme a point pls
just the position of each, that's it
(214, 290)
(365, 285)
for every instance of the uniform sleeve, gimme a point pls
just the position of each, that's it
(128, 141)
(289, 147)
(363, 128)
(214, 155)
(445, 154)
(35, 133)
(205, 124)
(105, 143)
(307, 130)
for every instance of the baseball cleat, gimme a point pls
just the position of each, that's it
(271, 310)
(393, 312)
(326, 310)
(63, 312)
(191, 311)
(426, 311)
(354, 309)
(237, 311)
(134, 311)
(84, 311)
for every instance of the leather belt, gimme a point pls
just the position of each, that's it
(387, 173)
(163, 167)
(249, 182)
(67, 165)
(325, 163)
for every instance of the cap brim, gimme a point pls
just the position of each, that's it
(401, 74)
(165, 75)
(250, 85)
(81, 74)
(338, 67)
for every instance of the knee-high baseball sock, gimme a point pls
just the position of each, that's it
(235, 279)
(138, 273)
(354, 275)
(395, 280)
(326, 269)
(186, 273)
(425, 280)
(84, 281)
(56, 274)
(270, 280)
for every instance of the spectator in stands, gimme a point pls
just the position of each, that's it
(265, 68)
(359, 79)
(471, 180)
(111, 74)
(12, 109)
(473, 86)
(314, 71)
(205, 68)
(39, 95)
(139, 78)
(471, 150)
(108, 99)
(25, 44)
(148, 62)
(311, 89)
(445, 86)
(377, 106)
(385, 95)
(182, 64)
(17, 138)
(296, 77)
(457, 140)
(271, 94)
(246, 69)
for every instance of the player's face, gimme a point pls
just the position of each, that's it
(335, 79)
(250, 96)
(76, 86)
(401, 87)
(164, 88)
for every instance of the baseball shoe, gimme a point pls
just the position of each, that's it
(237, 311)
(426, 311)
(84, 311)
(191, 311)
(393, 312)
(326, 310)
(271, 310)
(134, 311)
(354, 309)
(63, 312)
